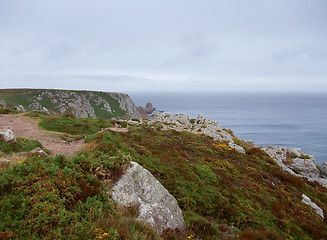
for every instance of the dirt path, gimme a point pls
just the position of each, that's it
(29, 128)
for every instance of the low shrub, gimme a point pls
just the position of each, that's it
(20, 145)
(8, 111)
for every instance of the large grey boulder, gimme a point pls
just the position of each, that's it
(7, 136)
(157, 207)
(316, 208)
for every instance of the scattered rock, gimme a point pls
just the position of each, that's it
(236, 147)
(35, 152)
(20, 108)
(38, 151)
(316, 208)
(149, 108)
(157, 207)
(7, 136)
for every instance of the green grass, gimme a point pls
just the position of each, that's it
(21, 145)
(117, 111)
(15, 97)
(72, 125)
(101, 113)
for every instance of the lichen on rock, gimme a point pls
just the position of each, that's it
(157, 207)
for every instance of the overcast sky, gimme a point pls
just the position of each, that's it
(168, 45)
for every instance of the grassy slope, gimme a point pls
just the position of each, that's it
(223, 194)
(15, 97)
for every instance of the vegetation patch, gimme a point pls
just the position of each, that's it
(8, 111)
(223, 194)
(72, 125)
(20, 145)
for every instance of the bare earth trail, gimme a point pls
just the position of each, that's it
(28, 128)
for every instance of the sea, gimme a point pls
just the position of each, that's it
(285, 119)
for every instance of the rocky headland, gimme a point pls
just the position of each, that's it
(80, 103)
(170, 176)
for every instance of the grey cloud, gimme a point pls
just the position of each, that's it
(210, 41)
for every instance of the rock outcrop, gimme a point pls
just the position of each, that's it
(199, 125)
(149, 108)
(323, 169)
(297, 166)
(157, 207)
(316, 208)
(142, 112)
(7, 136)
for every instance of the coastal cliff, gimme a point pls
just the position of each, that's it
(165, 177)
(80, 103)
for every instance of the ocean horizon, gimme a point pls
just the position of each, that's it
(270, 119)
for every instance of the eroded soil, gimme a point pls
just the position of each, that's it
(28, 128)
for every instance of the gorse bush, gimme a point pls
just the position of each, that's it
(8, 111)
(56, 198)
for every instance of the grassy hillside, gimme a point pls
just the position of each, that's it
(223, 194)
(25, 97)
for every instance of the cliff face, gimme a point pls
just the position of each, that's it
(80, 103)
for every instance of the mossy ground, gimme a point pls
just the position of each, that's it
(223, 194)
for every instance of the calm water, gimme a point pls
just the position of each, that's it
(287, 119)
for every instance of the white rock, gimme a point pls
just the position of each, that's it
(20, 108)
(157, 207)
(316, 208)
(323, 169)
(307, 167)
(2, 103)
(296, 151)
(7, 135)
(279, 155)
(45, 111)
(238, 148)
